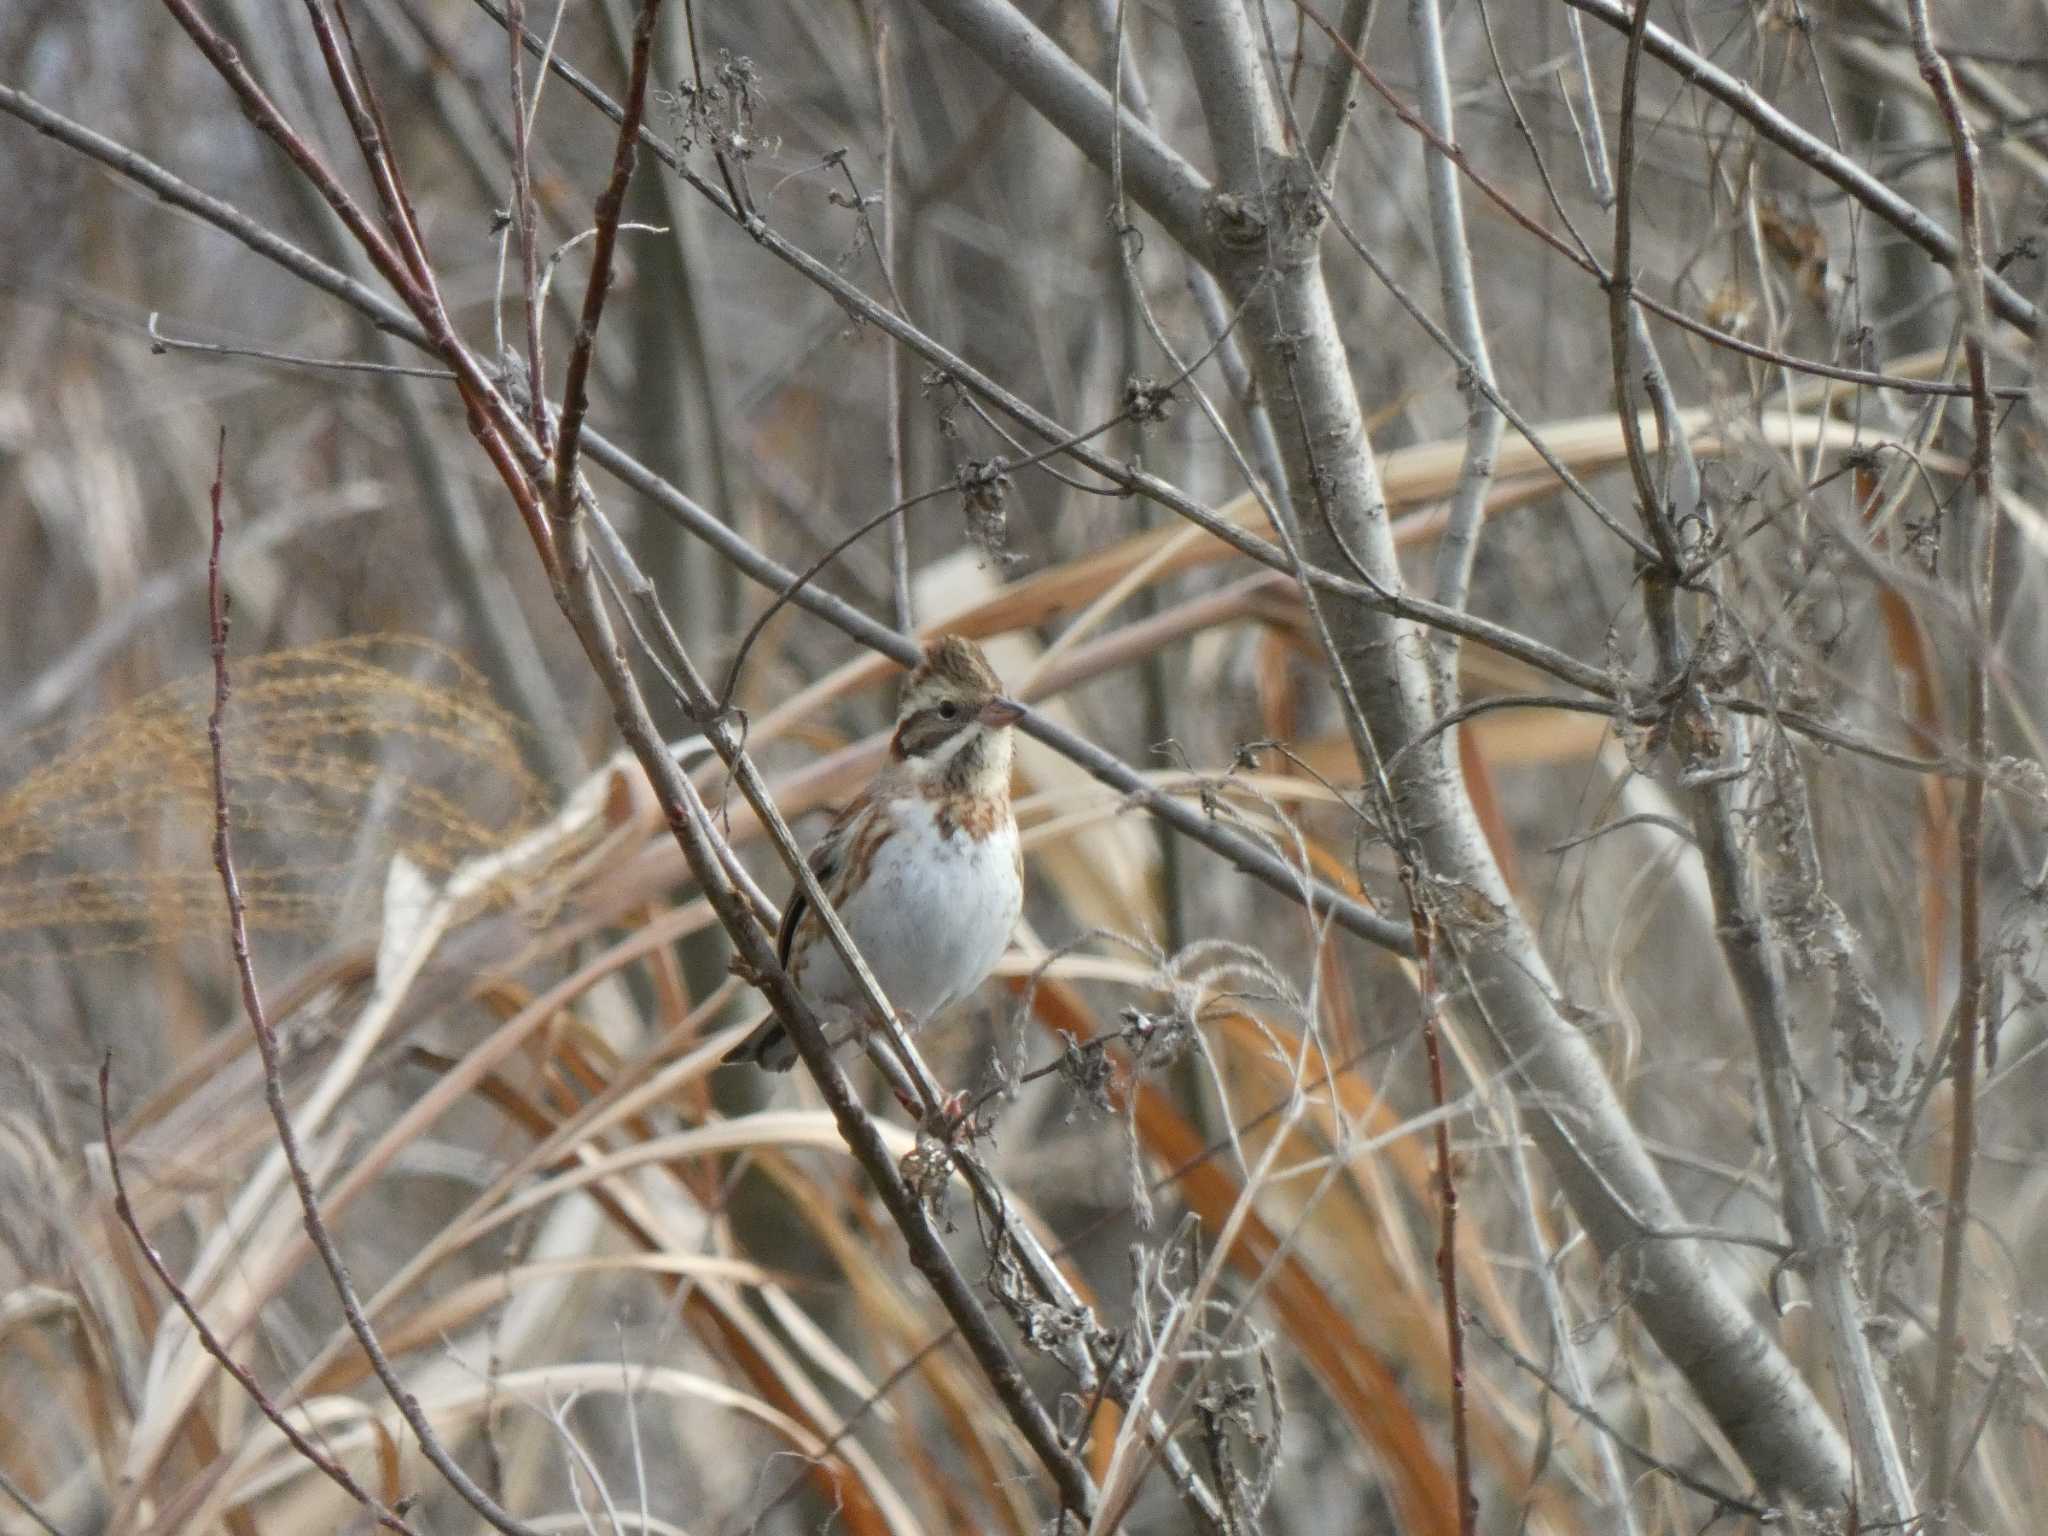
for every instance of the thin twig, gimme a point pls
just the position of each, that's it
(1979, 574)
(611, 203)
(1459, 546)
(523, 227)
(1447, 1203)
(488, 413)
(273, 1073)
(159, 342)
(1719, 1497)
(1339, 99)
(893, 441)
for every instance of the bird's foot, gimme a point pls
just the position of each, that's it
(953, 1122)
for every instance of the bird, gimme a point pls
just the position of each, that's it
(923, 867)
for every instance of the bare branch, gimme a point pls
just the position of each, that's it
(611, 204)
(273, 1075)
(1979, 567)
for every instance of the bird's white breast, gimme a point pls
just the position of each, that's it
(932, 918)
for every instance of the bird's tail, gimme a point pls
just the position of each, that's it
(767, 1047)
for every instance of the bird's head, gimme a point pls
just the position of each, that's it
(953, 724)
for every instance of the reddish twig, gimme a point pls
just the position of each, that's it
(201, 1330)
(260, 110)
(1978, 577)
(1447, 1204)
(373, 139)
(273, 1075)
(491, 420)
(611, 203)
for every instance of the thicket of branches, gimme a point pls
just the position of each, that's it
(1519, 527)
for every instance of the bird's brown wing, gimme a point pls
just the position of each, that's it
(825, 861)
(769, 1044)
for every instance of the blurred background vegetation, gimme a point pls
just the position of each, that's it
(631, 1290)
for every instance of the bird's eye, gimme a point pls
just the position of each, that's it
(949, 710)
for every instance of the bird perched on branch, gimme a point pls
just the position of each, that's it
(923, 867)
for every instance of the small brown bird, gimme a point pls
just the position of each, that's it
(923, 867)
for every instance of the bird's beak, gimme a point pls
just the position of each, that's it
(1001, 711)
